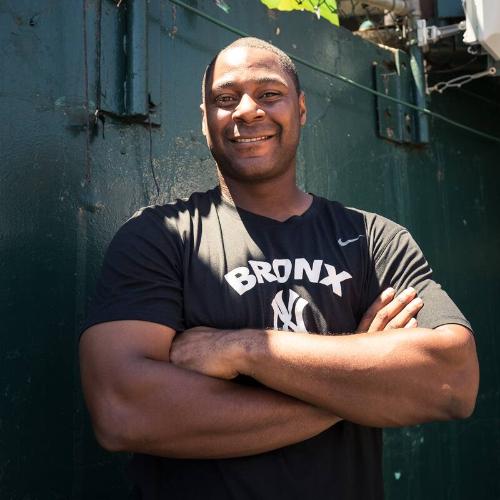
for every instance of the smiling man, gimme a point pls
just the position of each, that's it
(252, 341)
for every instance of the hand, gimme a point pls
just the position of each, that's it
(205, 350)
(388, 312)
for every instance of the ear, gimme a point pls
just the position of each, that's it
(203, 119)
(302, 108)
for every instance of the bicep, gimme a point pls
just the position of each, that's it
(109, 351)
(129, 337)
(459, 340)
(455, 329)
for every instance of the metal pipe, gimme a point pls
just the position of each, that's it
(418, 72)
(451, 30)
(137, 69)
(432, 34)
(398, 7)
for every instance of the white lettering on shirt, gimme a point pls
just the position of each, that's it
(262, 270)
(301, 266)
(287, 269)
(335, 279)
(242, 280)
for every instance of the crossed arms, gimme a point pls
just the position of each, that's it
(149, 393)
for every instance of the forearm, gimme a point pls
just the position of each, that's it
(168, 411)
(384, 379)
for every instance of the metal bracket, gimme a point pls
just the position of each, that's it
(395, 121)
(142, 87)
(131, 61)
(427, 35)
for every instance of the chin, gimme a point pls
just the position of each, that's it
(251, 170)
(250, 173)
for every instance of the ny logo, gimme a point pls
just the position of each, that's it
(292, 320)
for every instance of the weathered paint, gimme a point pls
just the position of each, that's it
(68, 181)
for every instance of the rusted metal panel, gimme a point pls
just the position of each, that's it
(393, 78)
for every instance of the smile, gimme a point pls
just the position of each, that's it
(251, 139)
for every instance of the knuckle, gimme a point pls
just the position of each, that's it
(382, 315)
(368, 318)
(411, 323)
(416, 300)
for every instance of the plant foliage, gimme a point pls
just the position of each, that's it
(327, 9)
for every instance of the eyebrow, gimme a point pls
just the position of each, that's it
(259, 81)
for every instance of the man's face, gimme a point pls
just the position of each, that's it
(252, 115)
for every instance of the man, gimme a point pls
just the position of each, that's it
(212, 350)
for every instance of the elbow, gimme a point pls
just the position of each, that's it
(456, 403)
(122, 427)
(464, 409)
(461, 391)
(109, 439)
(462, 402)
(112, 427)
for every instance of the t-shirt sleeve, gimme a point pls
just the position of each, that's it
(141, 277)
(399, 262)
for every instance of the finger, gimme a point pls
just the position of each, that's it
(407, 313)
(413, 323)
(391, 310)
(383, 299)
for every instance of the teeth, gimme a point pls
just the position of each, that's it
(253, 139)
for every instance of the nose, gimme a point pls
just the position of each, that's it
(247, 110)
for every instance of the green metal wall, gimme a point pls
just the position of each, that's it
(67, 182)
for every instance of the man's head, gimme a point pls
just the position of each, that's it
(255, 43)
(253, 109)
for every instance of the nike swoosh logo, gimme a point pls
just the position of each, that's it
(346, 242)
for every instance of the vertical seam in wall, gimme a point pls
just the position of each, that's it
(98, 56)
(80, 280)
(88, 168)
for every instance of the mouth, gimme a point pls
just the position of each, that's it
(245, 140)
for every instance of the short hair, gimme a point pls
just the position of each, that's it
(255, 43)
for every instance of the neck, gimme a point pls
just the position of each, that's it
(278, 198)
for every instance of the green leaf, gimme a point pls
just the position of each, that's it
(324, 11)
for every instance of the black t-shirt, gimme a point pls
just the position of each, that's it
(203, 261)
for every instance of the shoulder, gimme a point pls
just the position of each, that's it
(378, 230)
(343, 216)
(174, 217)
(373, 223)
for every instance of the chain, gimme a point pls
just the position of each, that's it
(461, 80)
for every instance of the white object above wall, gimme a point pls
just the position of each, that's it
(482, 19)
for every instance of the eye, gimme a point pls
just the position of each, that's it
(271, 95)
(225, 100)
